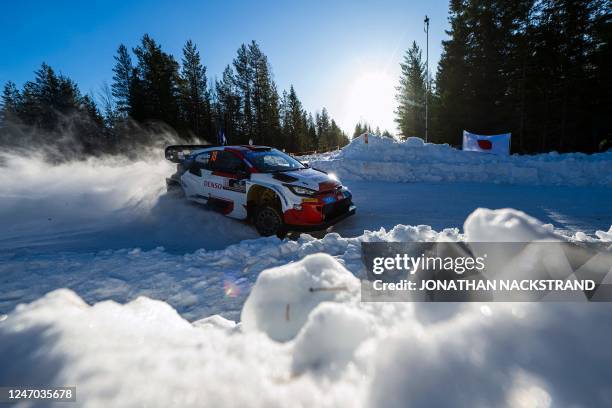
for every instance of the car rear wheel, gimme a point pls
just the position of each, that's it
(268, 221)
(174, 188)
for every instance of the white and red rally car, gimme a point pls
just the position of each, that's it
(277, 192)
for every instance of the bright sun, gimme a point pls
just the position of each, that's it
(371, 98)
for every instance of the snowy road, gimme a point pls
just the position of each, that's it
(52, 224)
(446, 205)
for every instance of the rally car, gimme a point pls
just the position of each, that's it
(274, 190)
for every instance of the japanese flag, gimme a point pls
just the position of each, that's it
(497, 144)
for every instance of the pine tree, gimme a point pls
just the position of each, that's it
(361, 128)
(559, 80)
(451, 101)
(272, 127)
(526, 67)
(285, 120)
(312, 138)
(600, 80)
(195, 99)
(244, 104)
(54, 107)
(11, 100)
(46, 98)
(243, 82)
(227, 106)
(109, 107)
(156, 89)
(326, 139)
(410, 113)
(261, 91)
(89, 126)
(122, 81)
(337, 137)
(297, 127)
(266, 126)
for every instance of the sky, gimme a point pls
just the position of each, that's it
(342, 55)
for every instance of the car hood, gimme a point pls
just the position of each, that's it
(309, 178)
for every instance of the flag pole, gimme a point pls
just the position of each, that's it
(426, 78)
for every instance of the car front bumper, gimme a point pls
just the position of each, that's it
(328, 222)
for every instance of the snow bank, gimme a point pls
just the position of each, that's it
(209, 282)
(284, 297)
(605, 236)
(198, 284)
(506, 225)
(413, 160)
(333, 351)
(346, 354)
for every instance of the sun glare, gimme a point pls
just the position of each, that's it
(371, 99)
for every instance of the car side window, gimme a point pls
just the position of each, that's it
(203, 160)
(227, 162)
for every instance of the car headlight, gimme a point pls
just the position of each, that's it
(301, 191)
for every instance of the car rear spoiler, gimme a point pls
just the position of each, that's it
(177, 153)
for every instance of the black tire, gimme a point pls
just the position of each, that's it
(269, 221)
(174, 188)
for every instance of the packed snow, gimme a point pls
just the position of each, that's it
(569, 209)
(384, 158)
(196, 284)
(139, 299)
(298, 346)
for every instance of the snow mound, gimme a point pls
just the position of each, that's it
(506, 225)
(330, 337)
(198, 284)
(209, 282)
(347, 354)
(413, 160)
(305, 338)
(605, 236)
(283, 297)
(414, 142)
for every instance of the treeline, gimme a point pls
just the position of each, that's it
(153, 97)
(539, 69)
(365, 127)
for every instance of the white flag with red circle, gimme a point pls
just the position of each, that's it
(496, 144)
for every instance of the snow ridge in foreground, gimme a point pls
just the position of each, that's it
(326, 349)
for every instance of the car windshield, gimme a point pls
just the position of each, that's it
(269, 161)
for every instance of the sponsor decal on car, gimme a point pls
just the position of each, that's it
(213, 184)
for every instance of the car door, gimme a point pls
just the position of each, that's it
(194, 179)
(227, 183)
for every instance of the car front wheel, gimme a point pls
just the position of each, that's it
(269, 221)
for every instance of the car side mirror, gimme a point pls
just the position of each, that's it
(306, 164)
(195, 170)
